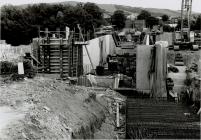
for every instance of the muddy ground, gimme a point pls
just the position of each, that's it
(47, 108)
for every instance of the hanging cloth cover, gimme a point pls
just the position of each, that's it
(158, 70)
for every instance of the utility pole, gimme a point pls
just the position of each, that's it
(182, 22)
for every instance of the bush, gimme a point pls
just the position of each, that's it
(188, 82)
(7, 67)
(11, 68)
(168, 28)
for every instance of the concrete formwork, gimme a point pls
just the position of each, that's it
(142, 68)
(58, 56)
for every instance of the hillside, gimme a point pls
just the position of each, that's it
(110, 8)
(47, 108)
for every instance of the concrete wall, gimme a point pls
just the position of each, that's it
(143, 66)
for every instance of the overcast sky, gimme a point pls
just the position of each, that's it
(167, 4)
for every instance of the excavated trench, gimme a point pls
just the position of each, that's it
(46, 108)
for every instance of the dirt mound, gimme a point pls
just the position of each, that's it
(53, 109)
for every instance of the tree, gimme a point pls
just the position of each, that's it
(20, 25)
(15, 28)
(119, 19)
(185, 24)
(94, 12)
(144, 15)
(197, 24)
(167, 28)
(165, 18)
(151, 21)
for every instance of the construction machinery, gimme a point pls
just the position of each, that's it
(179, 60)
(184, 39)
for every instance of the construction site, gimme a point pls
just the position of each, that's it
(139, 84)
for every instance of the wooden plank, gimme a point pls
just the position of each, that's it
(55, 53)
(61, 59)
(65, 61)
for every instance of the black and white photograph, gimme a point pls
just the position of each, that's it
(100, 69)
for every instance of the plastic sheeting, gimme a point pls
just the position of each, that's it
(94, 52)
(98, 48)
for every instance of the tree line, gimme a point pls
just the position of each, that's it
(20, 25)
(195, 24)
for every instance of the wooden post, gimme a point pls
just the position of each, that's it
(48, 58)
(72, 58)
(117, 114)
(58, 32)
(46, 32)
(67, 32)
(69, 57)
(21, 66)
(43, 49)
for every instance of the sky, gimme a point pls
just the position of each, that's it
(163, 4)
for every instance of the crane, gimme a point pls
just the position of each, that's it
(186, 8)
(184, 39)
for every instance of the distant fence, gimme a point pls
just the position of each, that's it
(10, 53)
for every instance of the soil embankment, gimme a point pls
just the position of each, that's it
(46, 108)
